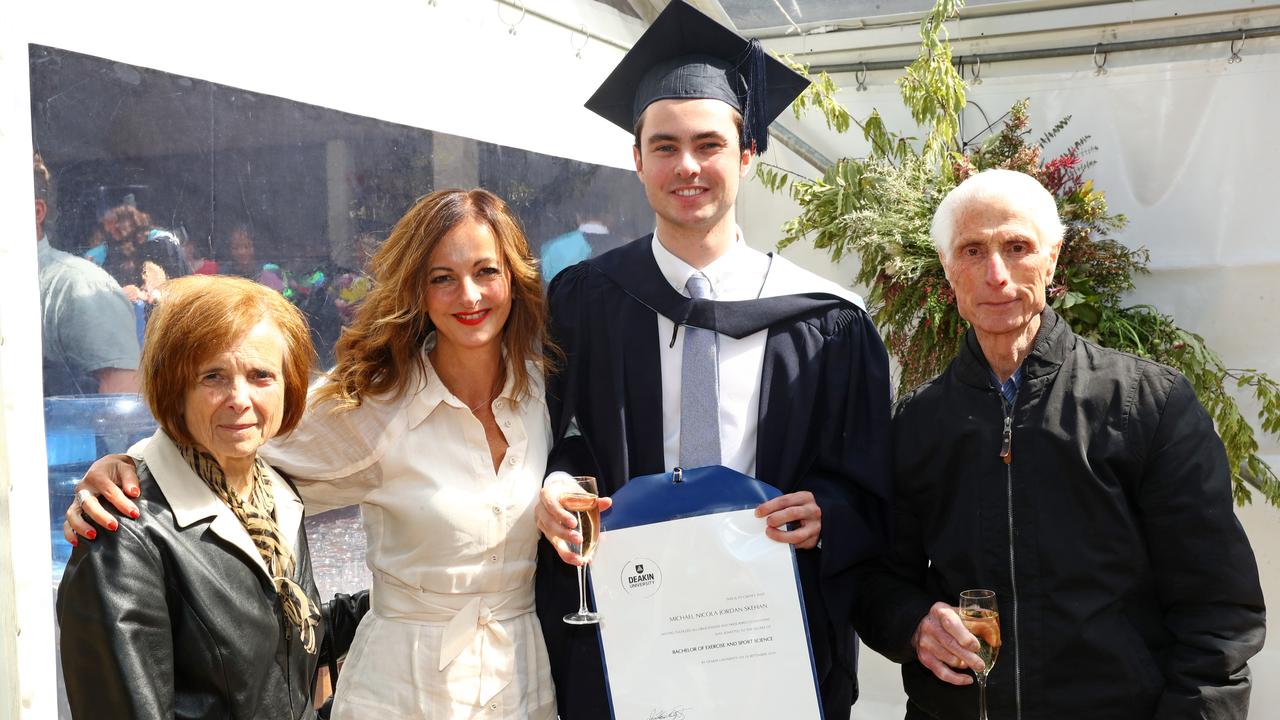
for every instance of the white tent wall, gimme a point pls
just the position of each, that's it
(26, 616)
(1187, 149)
(1183, 150)
(452, 66)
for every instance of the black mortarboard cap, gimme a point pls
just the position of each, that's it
(686, 54)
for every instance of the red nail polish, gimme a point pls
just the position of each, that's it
(113, 525)
(91, 534)
(135, 492)
(74, 543)
(133, 514)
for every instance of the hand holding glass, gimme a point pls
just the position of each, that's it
(584, 504)
(980, 616)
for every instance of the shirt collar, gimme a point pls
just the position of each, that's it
(720, 273)
(1008, 388)
(1053, 342)
(433, 392)
(191, 500)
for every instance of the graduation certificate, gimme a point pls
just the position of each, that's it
(702, 617)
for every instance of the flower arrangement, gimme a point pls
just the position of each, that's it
(880, 208)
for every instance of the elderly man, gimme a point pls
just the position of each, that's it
(1086, 487)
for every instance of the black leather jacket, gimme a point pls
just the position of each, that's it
(1126, 586)
(164, 621)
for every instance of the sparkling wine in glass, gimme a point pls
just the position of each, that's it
(583, 503)
(981, 617)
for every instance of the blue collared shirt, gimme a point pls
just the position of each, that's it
(1008, 388)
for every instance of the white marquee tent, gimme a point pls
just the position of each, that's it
(1180, 98)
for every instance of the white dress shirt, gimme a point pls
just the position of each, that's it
(742, 273)
(452, 545)
(739, 274)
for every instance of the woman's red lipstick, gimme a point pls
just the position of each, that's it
(472, 318)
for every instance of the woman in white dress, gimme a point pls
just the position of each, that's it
(434, 422)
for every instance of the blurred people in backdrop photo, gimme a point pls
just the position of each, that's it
(131, 241)
(123, 227)
(591, 236)
(242, 249)
(139, 255)
(434, 422)
(1086, 487)
(330, 293)
(789, 383)
(350, 286)
(199, 257)
(88, 343)
(203, 604)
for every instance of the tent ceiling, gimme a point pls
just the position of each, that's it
(845, 37)
(760, 17)
(1034, 25)
(622, 6)
(769, 18)
(803, 27)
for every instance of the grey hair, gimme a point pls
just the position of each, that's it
(1019, 189)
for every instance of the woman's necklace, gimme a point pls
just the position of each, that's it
(496, 392)
(486, 402)
(497, 386)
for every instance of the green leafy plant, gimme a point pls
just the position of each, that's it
(879, 208)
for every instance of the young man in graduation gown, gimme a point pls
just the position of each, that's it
(688, 348)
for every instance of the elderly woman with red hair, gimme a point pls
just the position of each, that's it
(204, 606)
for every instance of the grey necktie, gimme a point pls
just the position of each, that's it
(699, 389)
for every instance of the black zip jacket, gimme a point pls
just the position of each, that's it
(1126, 586)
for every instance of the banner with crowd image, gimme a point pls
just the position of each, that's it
(152, 175)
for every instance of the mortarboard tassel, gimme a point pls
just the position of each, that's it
(755, 124)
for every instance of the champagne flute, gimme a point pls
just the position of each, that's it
(583, 502)
(980, 616)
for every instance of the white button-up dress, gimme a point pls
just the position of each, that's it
(452, 546)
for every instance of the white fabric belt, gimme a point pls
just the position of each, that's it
(465, 616)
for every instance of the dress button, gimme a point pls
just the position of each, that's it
(497, 510)
(506, 424)
(493, 558)
(497, 404)
(493, 706)
(514, 460)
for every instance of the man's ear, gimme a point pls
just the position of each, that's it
(42, 212)
(1053, 260)
(635, 155)
(942, 258)
(744, 163)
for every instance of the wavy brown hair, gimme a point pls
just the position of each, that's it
(379, 351)
(126, 222)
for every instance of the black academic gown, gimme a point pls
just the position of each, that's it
(824, 422)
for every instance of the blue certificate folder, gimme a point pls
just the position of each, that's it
(651, 499)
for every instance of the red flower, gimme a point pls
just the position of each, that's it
(1062, 175)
